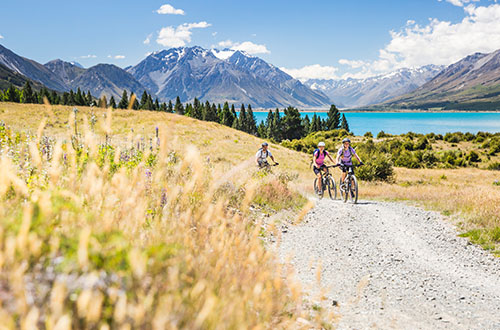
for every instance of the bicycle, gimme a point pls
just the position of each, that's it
(265, 166)
(349, 188)
(327, 183)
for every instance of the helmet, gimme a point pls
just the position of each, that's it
(264, 144)
(321, 144)
(346, 140)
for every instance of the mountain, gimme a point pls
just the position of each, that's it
(472, 83)
(65, 71)
(220, 76)
(31, 69)
(107, 79)
(7, 77)
(361, 92)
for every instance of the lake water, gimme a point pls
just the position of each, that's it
(418, 122)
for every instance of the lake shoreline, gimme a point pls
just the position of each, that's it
(388, 111)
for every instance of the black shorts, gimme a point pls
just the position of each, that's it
(345, 168)
(317, 170)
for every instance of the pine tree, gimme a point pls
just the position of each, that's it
(156, 105)
(89, 98)
(112, 102)
(54, 98)
(276, 133)
(344, 124)
(251, 122)
(144, 100)
(234, 114)
(227, 116)
(71, 99)
(242, 120)
(179, 108)
(189, 110)
(197, 109)
(219, 113)
(27, 93)
(170, 107)
(163, 107)
(123, 104)
(292, 124)
(12, 94)
(333, 121)
(262, 130)
(65, 98)
(79, 99)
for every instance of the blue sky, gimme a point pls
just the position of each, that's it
(313, 39)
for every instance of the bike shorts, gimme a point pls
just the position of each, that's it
(345, 167)
(318, 170)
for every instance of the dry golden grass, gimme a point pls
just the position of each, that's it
(85, 243)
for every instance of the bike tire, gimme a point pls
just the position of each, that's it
(320, 193)
(342, 192)
(353, 193)
(332, 188)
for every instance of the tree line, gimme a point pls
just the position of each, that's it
(278, 126)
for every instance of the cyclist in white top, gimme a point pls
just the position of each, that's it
(262, 154)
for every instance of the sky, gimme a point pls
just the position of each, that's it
(328, 39)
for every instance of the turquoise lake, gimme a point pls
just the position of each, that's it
(418, 122)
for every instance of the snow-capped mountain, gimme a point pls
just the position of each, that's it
(222, 75)
(361, 92)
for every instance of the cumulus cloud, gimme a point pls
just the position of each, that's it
(88, 56)
(438, 42)
(1, 36)
(117, 57)
(180, 35)
(147, 41)
(314, 71)
(246, 46)
(169, 9)
(352, 63)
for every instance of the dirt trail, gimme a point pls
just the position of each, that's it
(394, 266)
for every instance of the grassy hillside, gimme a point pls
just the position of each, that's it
(104, 225)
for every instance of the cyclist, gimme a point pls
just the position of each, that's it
(319, 162)
(344, 158)
(262, 154)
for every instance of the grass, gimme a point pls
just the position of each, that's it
(105, 226)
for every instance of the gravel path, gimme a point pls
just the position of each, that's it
(394, 266)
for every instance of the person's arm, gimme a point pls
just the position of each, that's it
(314, 160)
(257, 155)
(338, 158)
(357, 157)
(330, 157)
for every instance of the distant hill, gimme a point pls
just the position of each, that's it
(352, 92)
(472, 83)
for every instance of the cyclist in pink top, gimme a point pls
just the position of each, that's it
(319, 161)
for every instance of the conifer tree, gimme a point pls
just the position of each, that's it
(292, 124)
(79, 100)
(178, 108)
(189, 110)
(156, 105)
(251, 122)
(135, 102)
(227, 116)
(219, 113)
(307, 125)
(276, 133)
(71, 99)
(233, 112)
(54, 98)
(197, 109)
(333, 121)
(112, 102)
(344, 124)
(170, 107)
(242, 120)
(65, 98)
(163, 107)
(262, 130)
(89, 98)
(103, 102)
(27, 93)
(144, 100)
(123, 104)
(12, 94)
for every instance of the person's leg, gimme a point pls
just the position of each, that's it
(319, 181)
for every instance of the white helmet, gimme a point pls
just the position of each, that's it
(321, 144)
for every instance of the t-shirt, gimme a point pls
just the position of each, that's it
(346, 155)
(320, 157)
(262, 155)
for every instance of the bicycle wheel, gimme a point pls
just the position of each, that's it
(332, 188)
(353, 193)
(342, 191)
(319, 193)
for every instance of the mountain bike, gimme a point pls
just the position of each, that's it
(349, 188)
(327, 183)
(265, 166)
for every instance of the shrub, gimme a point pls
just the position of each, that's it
(473, 157)
(406, 159)
(429, 158)
(383, 134)
(422, 144)
(494, 166)
(376, 168)
(368, 135)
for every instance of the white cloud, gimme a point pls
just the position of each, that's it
(1, 36)
(352, 63)
(168, 9)
(180, 35)
(459, 3)
(247, 46)
(88, 56)
(438, 42)
(117, 57)
(314, 71)
(148, 39)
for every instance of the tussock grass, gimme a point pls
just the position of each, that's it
(102, 227)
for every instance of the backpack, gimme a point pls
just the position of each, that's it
(267, 153)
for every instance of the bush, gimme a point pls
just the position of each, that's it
(473, 157)
(429, 158)
(368, 135)
(376, 168)
(422, 144)
(494, 166)
(383, 134)
(406, 159)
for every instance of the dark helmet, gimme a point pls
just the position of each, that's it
(264, 144)
(346, 140)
